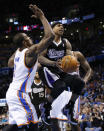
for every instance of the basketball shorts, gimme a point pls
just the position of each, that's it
(21, 110)
(73, 80)
(75, 83)
(47, 77)
(60, 102)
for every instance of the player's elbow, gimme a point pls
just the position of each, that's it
(10, 63)
(91, 72)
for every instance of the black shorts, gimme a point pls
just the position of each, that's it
(60, 83)
(47, 76)
(75, 83)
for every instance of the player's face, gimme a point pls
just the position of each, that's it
(28, 41)
(36, 75)
(58, 29)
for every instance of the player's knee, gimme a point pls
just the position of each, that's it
(59, 84)
(59, 87)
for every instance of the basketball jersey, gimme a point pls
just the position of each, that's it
(38, 93)
(56, 51)
(22, 76)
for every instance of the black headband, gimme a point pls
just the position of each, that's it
(55, 23)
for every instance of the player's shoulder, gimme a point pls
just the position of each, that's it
(65, 39)
(77, 53)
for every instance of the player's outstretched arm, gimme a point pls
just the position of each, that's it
(36, 49)
(48, 33)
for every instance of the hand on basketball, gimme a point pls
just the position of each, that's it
(69, 64)
(38, 13)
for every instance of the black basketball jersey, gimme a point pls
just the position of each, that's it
(38, 93)
(55, 52)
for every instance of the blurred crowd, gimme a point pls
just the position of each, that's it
(3, 116)
(92, 102)
(6, 50)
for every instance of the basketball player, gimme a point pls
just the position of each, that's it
(21, 111)
(38, 93)
(87, 70)
(50, 59)
(65, 97)
(54, 78)
(60, 47)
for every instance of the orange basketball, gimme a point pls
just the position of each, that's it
(69, 64)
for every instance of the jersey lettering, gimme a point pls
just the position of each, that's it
(55, 54)
(17, 59)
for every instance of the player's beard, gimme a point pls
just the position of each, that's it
(37, 78)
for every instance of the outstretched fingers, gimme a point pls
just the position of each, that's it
(37, 11)
(32, 7)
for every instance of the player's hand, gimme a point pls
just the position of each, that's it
(59, 64)
(85, 81)
(38, 13)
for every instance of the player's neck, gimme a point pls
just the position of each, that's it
(20, 49)
(37, 81)
(57, 39)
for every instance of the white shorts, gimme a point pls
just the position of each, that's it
(21, 110)
(60, 102)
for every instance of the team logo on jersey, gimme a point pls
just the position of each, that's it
(55, 54)
(38, 90)
(17, 59)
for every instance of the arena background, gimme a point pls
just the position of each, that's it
(84, 28)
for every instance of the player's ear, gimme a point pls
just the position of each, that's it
(24, 42)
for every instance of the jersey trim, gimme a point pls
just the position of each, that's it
(78, 108)
(24, 84)
(26, 106)
(59, 119)
(27, 123)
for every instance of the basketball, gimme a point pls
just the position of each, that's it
(69, 64)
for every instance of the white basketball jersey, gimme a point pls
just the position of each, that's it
(23, 76)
